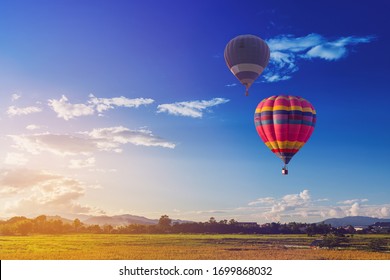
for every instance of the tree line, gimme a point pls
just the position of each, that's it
(44, 225)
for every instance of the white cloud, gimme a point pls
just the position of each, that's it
(103, 104)
(231, 85)
(294, 44)
(192, 109)
(44, 192)
(85, 143)
(302, 207)
(58, 144)
(112, 137)
(335, 212)
(15, 159)
(384, 212)
(82, 163)
(33, 127)
(23, 178)
(259, 201)
(354, 210)
(291, 202)
(15, 97)
(15, 111)
(287, 51)
(336, 49)
(304, 195)
(352, 201)
(67, 110)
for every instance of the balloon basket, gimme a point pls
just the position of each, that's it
(284, 171)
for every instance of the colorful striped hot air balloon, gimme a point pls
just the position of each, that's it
(247, 56)
(285, 123)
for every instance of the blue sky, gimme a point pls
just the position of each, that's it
(111, 107)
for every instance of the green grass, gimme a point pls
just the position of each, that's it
(180, 246)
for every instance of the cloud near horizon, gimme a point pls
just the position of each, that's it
(193, 109)
(298, 207)
(302, 206)
(287, 51)
(43, 192)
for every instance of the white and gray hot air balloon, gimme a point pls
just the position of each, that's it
(247, 56)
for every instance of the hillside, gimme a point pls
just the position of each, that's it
(125, 219)
(353, 221)
(119, 220)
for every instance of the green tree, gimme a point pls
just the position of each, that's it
(77, 224)
(24, 227)
(108, 228)
(40, 224)
(331, 241)
(8, 229)
(164, 222)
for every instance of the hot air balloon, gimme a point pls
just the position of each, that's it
(285, 123)
(247, 56)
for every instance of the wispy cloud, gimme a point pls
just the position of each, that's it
(44, 192)
(58, 144)
(193, 109)
(287, 51)
(352, 201)
(85, 143)
(112, 137)
(33, 127)
(16, 111)
(24, 178)
(15, 97)
(15, 159)
(231, 85)
(82, 163)
(67, 110)
(104, 104)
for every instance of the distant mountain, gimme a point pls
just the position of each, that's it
(353, 221)
(56, 218)
(116, 220)
(125, 219)
(119, 220)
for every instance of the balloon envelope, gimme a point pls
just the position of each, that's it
(247, 56)
(285, 123)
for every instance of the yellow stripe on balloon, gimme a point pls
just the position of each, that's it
(284, 144)
(285, 108)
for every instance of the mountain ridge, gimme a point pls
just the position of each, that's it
(354, 221)
(124, 219)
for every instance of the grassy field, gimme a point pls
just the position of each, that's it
(181, 247)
